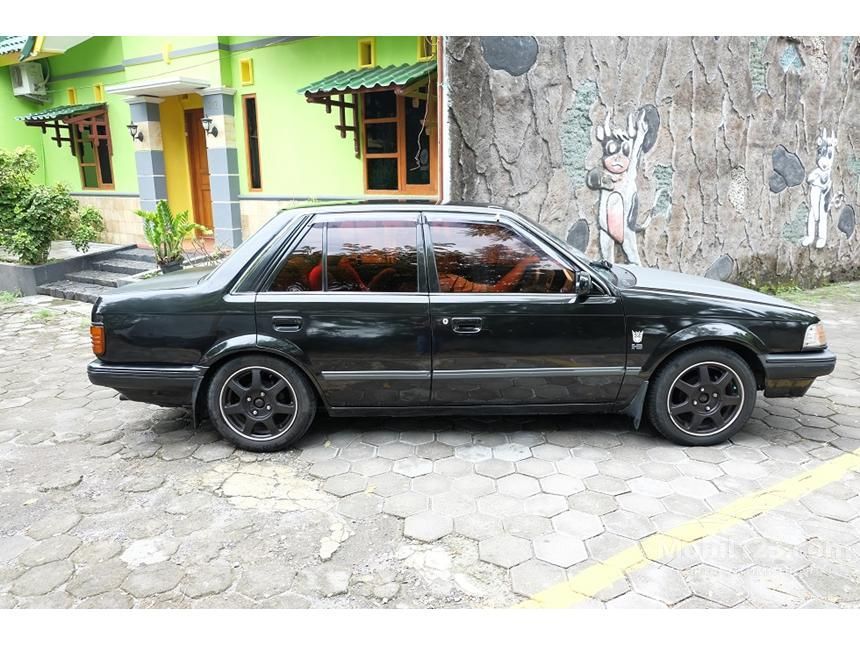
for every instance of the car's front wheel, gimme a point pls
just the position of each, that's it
(702, 396)
(260, 403)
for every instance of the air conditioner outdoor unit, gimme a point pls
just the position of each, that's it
(28, 80)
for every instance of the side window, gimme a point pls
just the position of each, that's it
(372, 256)
(492, 258)
(302, 269)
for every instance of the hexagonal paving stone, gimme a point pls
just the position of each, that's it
(504, 550)
(535, 467)
(559, 549)
(318, 453)
(360, 506)
(771, 588)
(371, 467)
(723, 553)
(627, 524)
(716, 585)
(691, 487)
(641, 504)
(550, 452)
(431, 484)
(346, 484)
(452, 504)
(667, 455)
(357, 452)
(434, 450)
(527, 526)
(453, 467)
(329, 468)
(413, 466)
(743, 470)
(633, 600)
(517, 485)
(388, 484)
(406, 504)
(478, 526)
(533, 576)
(578, 524)
(396, 450)
(561, 485)
(660, 583)
(778, 527)
(473, 453)
(511, 452)
(828, 506)
(650, 487)
(454, 438)
(474, 485)
(500, 505)
(494, 468)
(606, 485)
(545, 504)
(417, 437)
(593, 503)
(604, 546)
(427, 526)
(379, 437)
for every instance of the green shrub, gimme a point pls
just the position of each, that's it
(33, 216)
(166, 231)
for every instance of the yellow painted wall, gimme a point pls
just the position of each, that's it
(176, 150)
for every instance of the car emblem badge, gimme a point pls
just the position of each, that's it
(637, 338)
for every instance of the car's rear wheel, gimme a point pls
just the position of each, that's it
(702, 397)
(260, 403)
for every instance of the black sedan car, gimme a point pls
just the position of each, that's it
(408, 309)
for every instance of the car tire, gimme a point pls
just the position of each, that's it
(260, 403)
(702, 396)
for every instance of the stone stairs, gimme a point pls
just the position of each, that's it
(104, 275)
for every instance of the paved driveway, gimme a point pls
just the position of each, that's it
(112, 503)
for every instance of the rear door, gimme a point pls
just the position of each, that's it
(506, 326)
(350, 294)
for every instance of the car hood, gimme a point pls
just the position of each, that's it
(684, 283)
(175, 280)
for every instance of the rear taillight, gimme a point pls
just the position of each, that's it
(97, 335)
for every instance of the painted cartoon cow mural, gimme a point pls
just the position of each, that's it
(820, 182)
(618, 209)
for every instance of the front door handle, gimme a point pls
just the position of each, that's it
(286, 323)
(466, 325)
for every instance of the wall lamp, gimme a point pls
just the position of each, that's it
(132, 130)
(208, 127)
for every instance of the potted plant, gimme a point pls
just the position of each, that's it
(166, 231)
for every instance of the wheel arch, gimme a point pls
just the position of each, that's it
(241, 346)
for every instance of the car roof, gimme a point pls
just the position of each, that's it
(396, 205)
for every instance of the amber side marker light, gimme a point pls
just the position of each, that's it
(97, 335)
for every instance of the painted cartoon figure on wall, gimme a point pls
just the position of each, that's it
(618, 209)
(820, 182)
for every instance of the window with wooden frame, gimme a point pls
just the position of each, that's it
(92, 146)
(399, 149)
(367, 52)
(252, 142)
(426, 48)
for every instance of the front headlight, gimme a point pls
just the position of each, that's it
(815, 337)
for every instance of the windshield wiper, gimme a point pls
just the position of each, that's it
(601, 264)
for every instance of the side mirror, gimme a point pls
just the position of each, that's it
(583, 284)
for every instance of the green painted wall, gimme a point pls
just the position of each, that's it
(302, 153)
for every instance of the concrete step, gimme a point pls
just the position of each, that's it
(138, 255)
(71, 290)
(102, 278)
(129, 267)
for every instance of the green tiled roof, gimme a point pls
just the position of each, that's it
(11, 44)
(60, 111)
(369, 78)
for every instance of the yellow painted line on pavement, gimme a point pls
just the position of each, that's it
(589, 582)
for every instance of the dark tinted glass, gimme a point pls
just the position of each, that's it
(417, 144)
(382, 174)
(372, 256)
(491, 258)
(380, 105)
(255, 177)
(104, 163)
(381, 137)
(302, 270)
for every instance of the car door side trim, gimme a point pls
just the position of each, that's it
(528, 372)
(376, 375)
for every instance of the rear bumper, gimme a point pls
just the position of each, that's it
(163, 385)
(793, 374)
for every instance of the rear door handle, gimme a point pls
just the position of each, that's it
(466, 325)
(286, 323)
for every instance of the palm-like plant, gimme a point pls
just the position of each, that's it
(166, 231)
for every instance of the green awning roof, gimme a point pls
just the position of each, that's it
(356, 80)
(60, 112)
(12, 44)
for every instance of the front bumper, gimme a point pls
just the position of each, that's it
(793, 374)
(170, 385)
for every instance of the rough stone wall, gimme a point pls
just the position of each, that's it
(723, 144)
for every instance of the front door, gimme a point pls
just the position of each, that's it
(198, 168)
(506, 327)
(350, 297)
